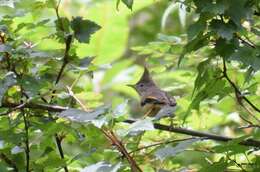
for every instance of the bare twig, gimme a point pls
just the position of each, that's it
(79, 102)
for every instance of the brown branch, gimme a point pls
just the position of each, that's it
(9, 162)
(121, 148)
(247, 142)
(112, 138)
(55, 108)
(238, 93)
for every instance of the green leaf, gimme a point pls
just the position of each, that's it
(248, 56)
(5, 48)
(166, 111)
(5, 83)
(221, 165)
(216, 8)
(102, 167)
(141, 125)
(193, 45)
(226, 48)
(128, 3)
(84, 116)
(51, 3)
(196, 29)
(83, 29)
(121, 109)
(224, 30)
(170, 151)
(62, 25)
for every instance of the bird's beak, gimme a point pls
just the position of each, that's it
(130, 85)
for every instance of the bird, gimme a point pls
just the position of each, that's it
(153, 99)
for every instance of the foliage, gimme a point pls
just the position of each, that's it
(65, 106)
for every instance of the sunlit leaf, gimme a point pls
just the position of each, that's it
(170, 151)
(102, 167)
(141, 125)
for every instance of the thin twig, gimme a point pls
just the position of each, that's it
(238, 93)
(246, 42)
(120, 147)
(68, 41)
(160, 143)
(237, 164)
(73, 95)
(27, 146)
(56, 108)
(113, 139)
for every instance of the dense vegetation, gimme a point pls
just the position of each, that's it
(64, 100)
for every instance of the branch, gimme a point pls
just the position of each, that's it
(9, 162)
(121, 148)
(27, 146)
(68, 41)
(247, 142)
(246, 42)
(160, 143)
(55, 108)
(58, 140)
(239, 95)
(112, 138)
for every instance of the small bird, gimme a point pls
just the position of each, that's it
(153, 99)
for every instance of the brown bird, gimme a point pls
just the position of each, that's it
(153, 99)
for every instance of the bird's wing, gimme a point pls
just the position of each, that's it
(152, 100)
(171, 100)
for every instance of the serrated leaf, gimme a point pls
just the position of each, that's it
(170, 151)
(141, 125)
(83, 29)
(85, 117)
(102, 167)
(248, 56)
(224, 30)
(8, 81)
(196, 28)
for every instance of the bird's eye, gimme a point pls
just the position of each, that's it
(141, 85)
